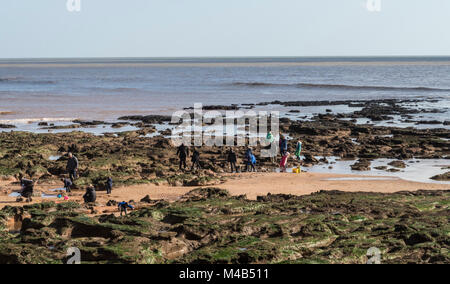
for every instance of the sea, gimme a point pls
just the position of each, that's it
(34, 90)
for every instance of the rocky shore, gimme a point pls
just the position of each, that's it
(131, 157)
(209, 226)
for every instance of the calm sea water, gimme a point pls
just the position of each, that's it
(108, 88)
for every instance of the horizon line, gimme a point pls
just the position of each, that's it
(227, 57)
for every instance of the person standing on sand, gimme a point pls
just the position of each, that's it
(232, 159)
(250, 161)
(72, 167)
(195, 160)
(298, 151)
(284, 162)
(109, 185)
(182, 153)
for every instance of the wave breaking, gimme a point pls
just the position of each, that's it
(340, 87)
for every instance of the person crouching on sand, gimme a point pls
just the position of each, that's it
(123, 206)
(27, 189)
(67, 184)
(91, 195)
(284, 162)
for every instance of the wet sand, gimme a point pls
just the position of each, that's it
(250, 184)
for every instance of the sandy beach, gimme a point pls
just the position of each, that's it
(250, 184)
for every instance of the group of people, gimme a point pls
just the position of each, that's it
(90, 195)
(72, 171)
(250, 158)
(183, 153)
(285, 155)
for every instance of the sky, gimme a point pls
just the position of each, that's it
(223, 28)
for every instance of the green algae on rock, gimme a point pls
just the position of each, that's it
(210, 226)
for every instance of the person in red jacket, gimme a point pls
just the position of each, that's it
(284, 162)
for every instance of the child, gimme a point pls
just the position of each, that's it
(250, 161)
(123, 206)
(109, 185)
(253, 162)
(284, 161)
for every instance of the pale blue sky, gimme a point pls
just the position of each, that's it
(176, 28)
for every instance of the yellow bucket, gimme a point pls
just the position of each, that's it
(296, 170)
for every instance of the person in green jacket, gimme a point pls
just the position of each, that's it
(270, 140)
(298, 150)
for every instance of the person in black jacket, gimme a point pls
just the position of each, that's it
(182, 153)
(90, 195)
(72, 167)
(109, 185)
(283, 145)
(27, 189)
(195, 160)
(232, 159)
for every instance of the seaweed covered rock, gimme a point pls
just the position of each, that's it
(361, 165)
(205, 193)
(398, 164)
(442, 177)
(210, 226)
